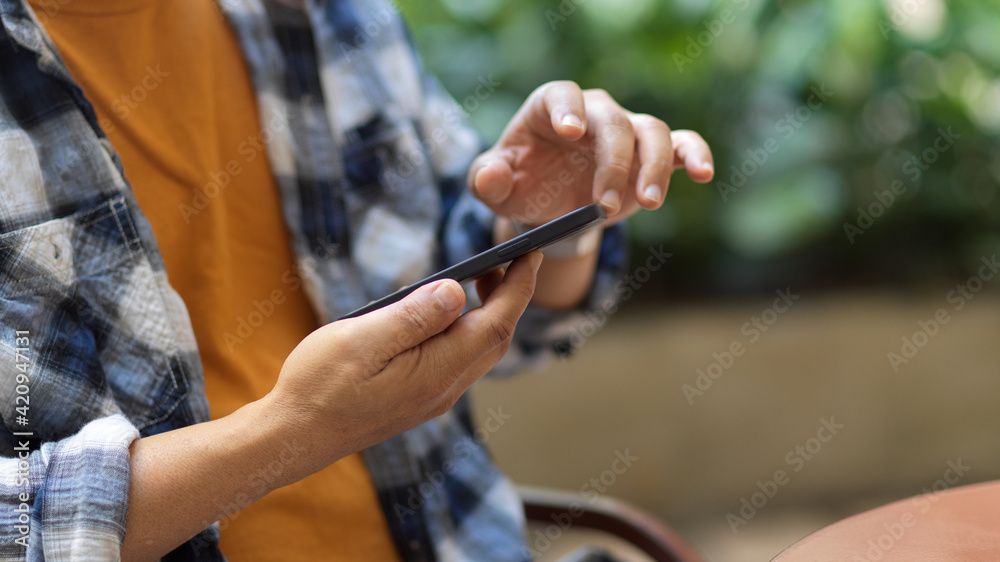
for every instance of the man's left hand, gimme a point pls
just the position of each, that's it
(566, 148)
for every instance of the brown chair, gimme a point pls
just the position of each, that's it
(950, 525)
(555, 516)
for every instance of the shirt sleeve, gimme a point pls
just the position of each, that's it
(68, 500)
(467, 230)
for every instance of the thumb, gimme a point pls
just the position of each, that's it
(491, 178)
(421, 315)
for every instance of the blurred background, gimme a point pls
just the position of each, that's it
(839, 271)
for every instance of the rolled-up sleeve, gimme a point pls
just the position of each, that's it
(68, 500)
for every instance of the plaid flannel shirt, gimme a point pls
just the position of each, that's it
(370, 157)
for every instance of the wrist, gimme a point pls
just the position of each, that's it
(284, 433)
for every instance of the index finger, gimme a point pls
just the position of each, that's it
(692, 153)
(615, 153)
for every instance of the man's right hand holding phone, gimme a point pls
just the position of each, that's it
(350, 384)
(359, 381)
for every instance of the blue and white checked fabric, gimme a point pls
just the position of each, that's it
(370, 156)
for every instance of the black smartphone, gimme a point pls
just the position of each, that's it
(479, 265)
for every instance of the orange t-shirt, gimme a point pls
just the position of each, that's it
(171, 89)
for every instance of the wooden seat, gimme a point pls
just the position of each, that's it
(558, 522)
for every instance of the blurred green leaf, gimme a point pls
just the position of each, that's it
(740, 72)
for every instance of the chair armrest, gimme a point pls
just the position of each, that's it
(611, 516)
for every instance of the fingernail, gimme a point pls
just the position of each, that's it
(706, 165)
(610, 200)
(571, 120)
(448, 296)
(652, 193)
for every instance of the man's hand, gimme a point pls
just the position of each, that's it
(566, 148)
(359, 381)
(348, 385)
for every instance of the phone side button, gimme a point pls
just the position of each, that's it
(513, 249)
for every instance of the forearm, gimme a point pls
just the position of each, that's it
(184, 480)
(562, 283)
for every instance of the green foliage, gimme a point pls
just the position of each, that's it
(815, 111)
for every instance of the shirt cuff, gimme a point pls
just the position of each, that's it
(69, 499)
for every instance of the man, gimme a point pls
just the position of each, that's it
(193, 187)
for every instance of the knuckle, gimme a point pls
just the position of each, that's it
(689, 135)
(620, 124)
(600, 94)
(500, 331)
(561, 84)
(414, 317)
(339, 336)
(661, 165)
(553, 87)
(339, 332)
(653, 123)
(618, 164)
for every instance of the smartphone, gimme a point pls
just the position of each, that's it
(481, 264)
